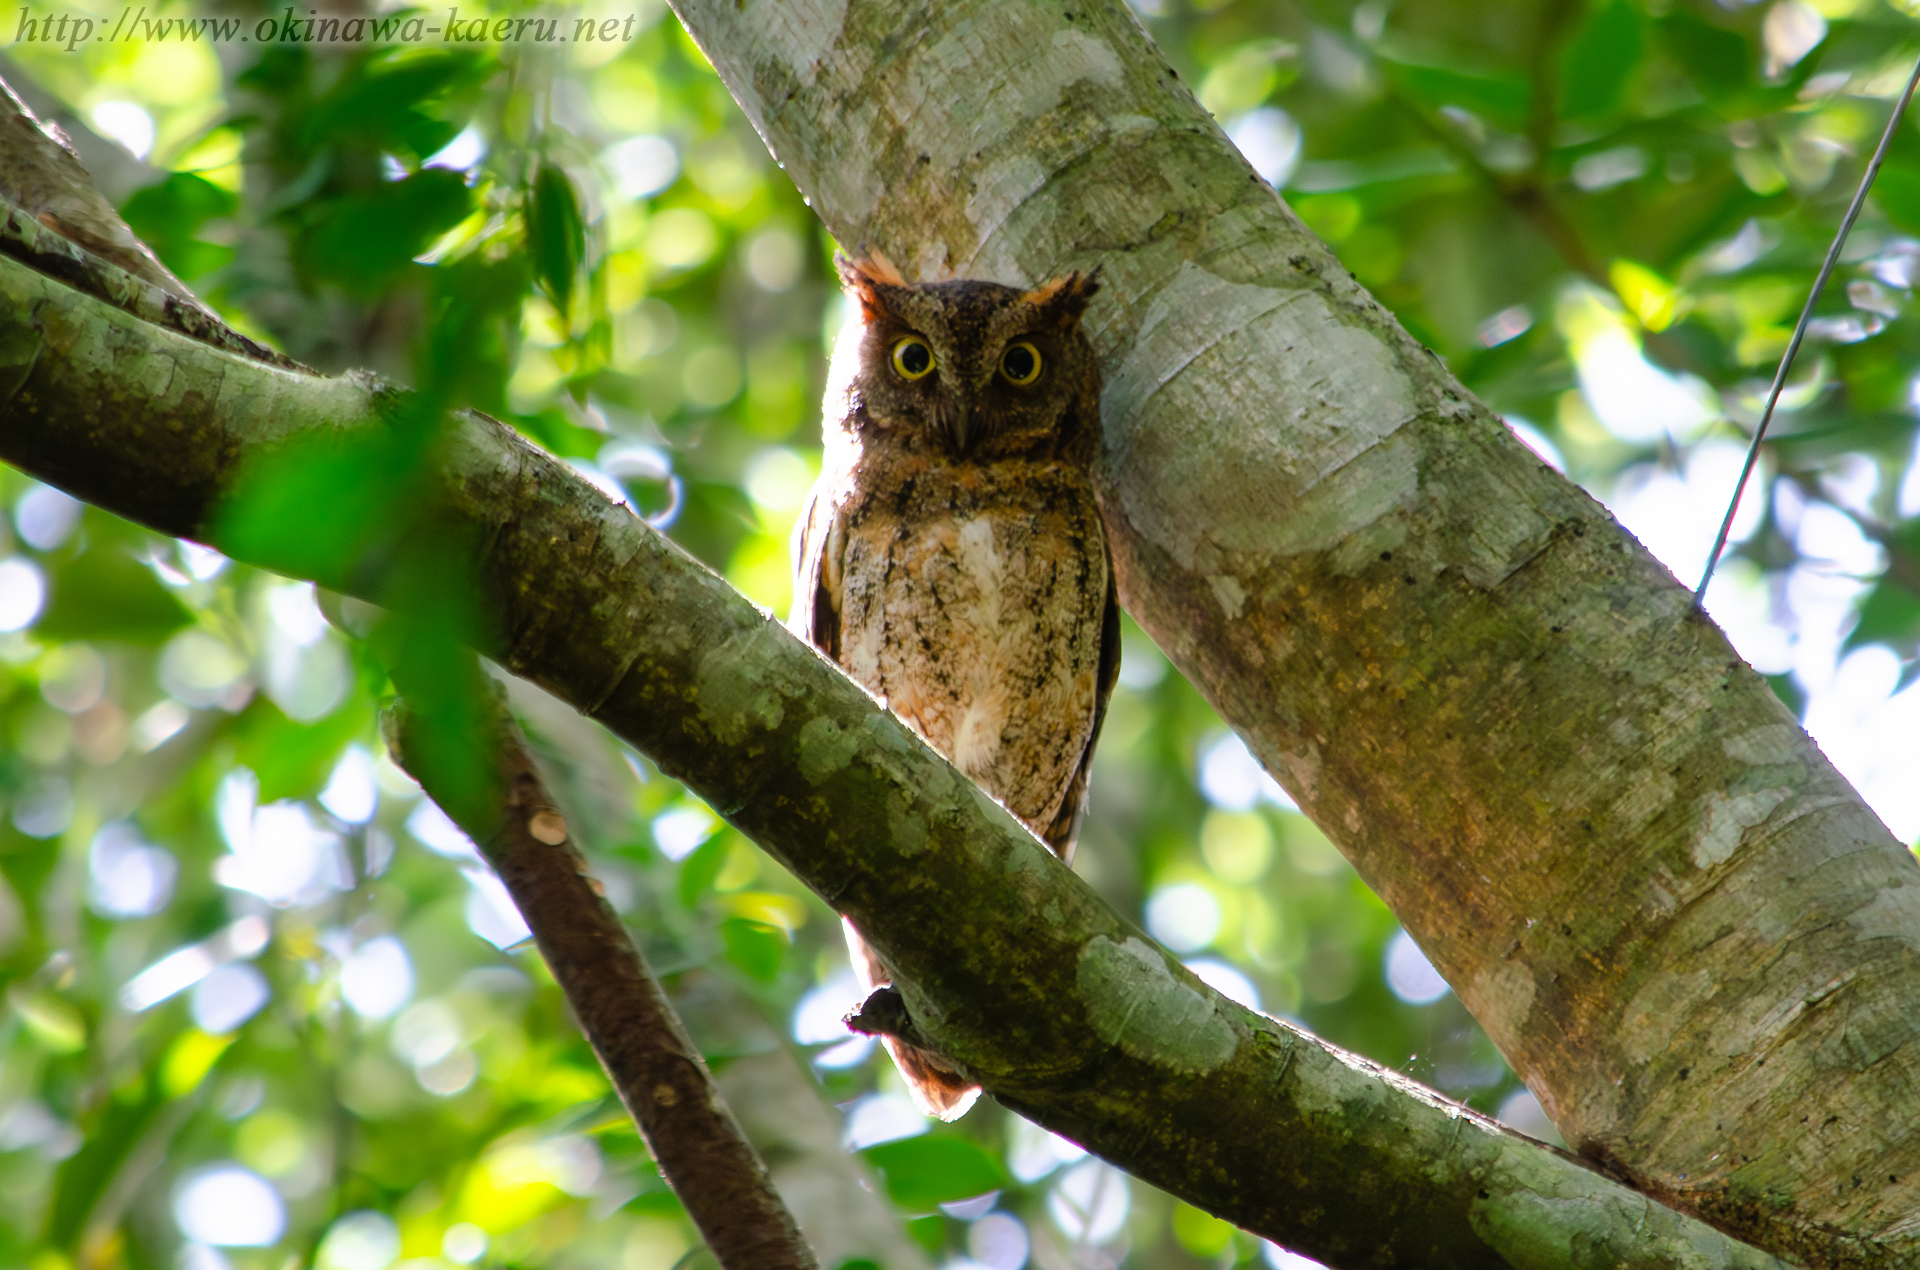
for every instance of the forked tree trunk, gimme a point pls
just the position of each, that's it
(1683, 928)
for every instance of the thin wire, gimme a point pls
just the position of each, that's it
(1800, 329)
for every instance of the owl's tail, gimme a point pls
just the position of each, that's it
(937, 1089)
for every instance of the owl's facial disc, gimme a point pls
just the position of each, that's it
(974, 368)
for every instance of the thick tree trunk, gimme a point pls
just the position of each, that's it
(1011, 965)
(1681, 926)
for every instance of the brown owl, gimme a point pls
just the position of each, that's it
(951, 558)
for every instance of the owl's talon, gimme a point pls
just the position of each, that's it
(885, 1014)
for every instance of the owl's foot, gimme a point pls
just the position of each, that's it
(937, 1088)
(884, 1013)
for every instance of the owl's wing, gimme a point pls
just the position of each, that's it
(1065, 829)
(819, 539)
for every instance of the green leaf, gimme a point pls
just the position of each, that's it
(1719, 62)
(182, 201)
(451, 725)
(314, 507)
(1502, 99)
(1602, 56)
(929, 1232)
(923, 1173)
(1889, 615)
(359, 242)
(556, 235)
(391, 99)
(474, 339)
(1789, 693)
(50, 1020)
(1200, 1233)
(698, 870)
(168, 214)
(1905, 538)
(26, 864)
(754, 947)
(84, 1176)
(1897, 192)
(294, 760)
(105, 594)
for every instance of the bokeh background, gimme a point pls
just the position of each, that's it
(265, 1007)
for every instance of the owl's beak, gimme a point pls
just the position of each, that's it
(959, 428)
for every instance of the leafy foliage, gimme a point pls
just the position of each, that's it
(233, 937)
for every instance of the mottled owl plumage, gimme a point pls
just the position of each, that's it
(951, 558)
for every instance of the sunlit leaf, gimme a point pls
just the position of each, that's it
(54, 1023)
(754, 947)
(189, 1059)
(1200, 1233)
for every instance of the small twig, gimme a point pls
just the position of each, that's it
(1800, 331)
(654, 1067)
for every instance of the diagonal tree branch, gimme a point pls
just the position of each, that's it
(1010, 963)
(657, 1071)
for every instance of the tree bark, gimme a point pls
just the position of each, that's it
(1682, 927)
(1010, 964)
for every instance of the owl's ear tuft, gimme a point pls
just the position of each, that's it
(1065, 299)
(869, 280)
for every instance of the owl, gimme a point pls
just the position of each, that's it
(951, 558)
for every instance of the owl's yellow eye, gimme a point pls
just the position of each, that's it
(1020, 363)
(912, 358)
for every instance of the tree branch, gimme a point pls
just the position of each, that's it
(1008, 961)
(837, 1199)
(1682, 927)
(657, 1071)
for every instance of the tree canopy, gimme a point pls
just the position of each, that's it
(243, 954)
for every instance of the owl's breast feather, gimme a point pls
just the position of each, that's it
(979, 620)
